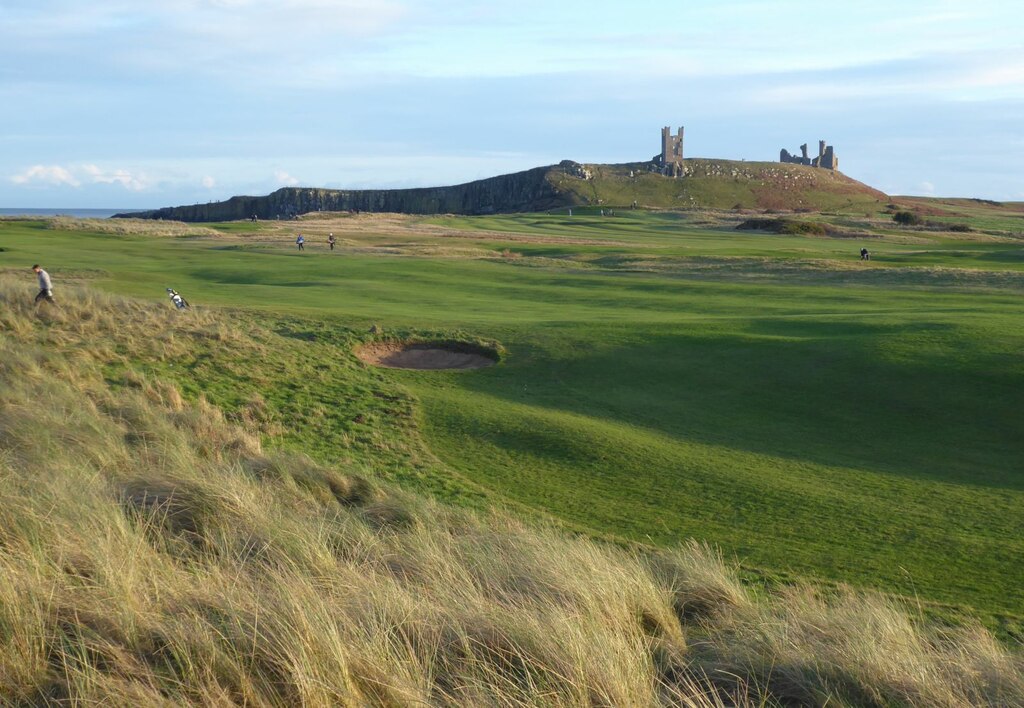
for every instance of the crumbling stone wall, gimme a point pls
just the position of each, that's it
(826, 157)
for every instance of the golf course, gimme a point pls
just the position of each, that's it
(662, 376)
(413, 354)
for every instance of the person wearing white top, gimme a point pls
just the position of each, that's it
(45, 284)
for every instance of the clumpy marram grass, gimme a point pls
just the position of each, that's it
(131, 227)
(154, 553)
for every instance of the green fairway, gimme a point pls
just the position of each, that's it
(667, 376)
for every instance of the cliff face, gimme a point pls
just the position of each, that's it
(522, 191)
(714, 184)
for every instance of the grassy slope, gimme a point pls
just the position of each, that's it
(721, 184)
(856, 429)
(983, 214)
(154, 554)
(889, 461)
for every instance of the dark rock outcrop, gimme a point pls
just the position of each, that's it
(521, 191)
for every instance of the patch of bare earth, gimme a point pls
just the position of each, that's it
(432, 356)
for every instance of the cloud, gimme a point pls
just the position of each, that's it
(1004, 73)
(284, 179)
(926, 187)
(335, 45)
(209, 182)
(968, 76)
(52, 174)
(54, 19)
(252, 42)
(131, 182)
(77, 175)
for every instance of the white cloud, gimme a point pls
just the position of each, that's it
(52, 174)
(926, 187)
(67, 18)
(284, 179)
(280, 42)
(131, 182)
(1003, 74)
(77, 175)
(209, 182)
(956, 77)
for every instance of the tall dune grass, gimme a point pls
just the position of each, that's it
(131, 227)
(153, 553)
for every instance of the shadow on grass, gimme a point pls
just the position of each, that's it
(903, 399)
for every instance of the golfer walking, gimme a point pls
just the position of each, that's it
(45, 286)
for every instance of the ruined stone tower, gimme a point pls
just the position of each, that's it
(671, 158)
(826, 157)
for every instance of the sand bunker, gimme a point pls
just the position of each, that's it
(434, 355)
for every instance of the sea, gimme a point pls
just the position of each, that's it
(78, 213)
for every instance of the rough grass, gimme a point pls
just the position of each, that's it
(130, 227)
(154, 554)
(719, 184)
(914, 351)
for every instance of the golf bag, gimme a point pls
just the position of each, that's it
(177, 299)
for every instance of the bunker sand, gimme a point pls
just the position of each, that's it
(434, 356)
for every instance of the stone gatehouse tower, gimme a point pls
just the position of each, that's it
(671, 158)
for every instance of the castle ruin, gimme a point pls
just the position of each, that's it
(671, 159)
(826, 157)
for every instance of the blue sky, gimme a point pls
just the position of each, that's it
(119, 103)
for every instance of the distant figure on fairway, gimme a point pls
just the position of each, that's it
(178, 300)
(300, 242)
(331, 241)
(45, 286)
(864, 255)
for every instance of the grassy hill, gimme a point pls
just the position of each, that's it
(189, 499)
(714, 184)
(153, 553)
(720, 184)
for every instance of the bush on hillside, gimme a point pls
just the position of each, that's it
(906, 218)
(796, 227)
(805, 228)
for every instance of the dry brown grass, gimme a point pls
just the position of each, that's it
(365, 227)
(154, 554)
(819, 270)
(359, 231)
(132, 227)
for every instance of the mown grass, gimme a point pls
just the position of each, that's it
(814, 416)
(154, 553)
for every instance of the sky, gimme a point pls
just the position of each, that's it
(128, 104)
